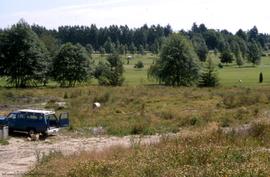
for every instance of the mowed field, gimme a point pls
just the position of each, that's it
(229, 75)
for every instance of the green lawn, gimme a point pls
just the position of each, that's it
(249, 74)
(229, 75)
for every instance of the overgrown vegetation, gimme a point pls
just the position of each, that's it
(146, 109)
(208, 152)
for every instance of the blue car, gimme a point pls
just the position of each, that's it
(35, 121)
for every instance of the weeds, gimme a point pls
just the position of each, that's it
(146, 109)
(4, 142)
(212, 154)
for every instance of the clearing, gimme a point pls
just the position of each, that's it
(20, 155)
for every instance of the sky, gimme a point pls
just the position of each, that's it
(180, 14)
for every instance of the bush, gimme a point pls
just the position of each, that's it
(111, 72)
(139, 65)
(103, 98)
(233, 100)
(260, 130)
(220, 65)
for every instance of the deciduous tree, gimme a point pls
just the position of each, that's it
(178, 63)
(24, 59)
(71, 65)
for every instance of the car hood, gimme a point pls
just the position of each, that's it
(2, 117)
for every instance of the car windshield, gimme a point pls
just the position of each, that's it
(12, 116)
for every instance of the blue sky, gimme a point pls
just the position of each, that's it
(180, 14)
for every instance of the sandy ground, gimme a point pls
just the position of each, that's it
(21, 155)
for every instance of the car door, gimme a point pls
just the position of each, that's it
(12, 120)
(16, 121)
(52, 120)
(64, 120)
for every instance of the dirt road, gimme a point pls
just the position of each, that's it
(20, 155)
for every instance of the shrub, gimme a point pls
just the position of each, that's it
(139, 65)
(220, 65)
(260, 130)
(66, 95)
(111, 72)
(103, 98)
(239, 99)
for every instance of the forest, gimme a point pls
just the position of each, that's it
(149, 38)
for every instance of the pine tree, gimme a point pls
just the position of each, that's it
(209, 75)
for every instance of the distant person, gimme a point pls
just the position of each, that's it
(261, 77)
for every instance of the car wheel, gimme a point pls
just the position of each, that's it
(31, 132)
(10, 130)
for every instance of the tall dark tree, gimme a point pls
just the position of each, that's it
(240, 33)
(168, 30)
(195, 28)
(24, 59)
(71, 65)
(226, 56)
(109, 46)
(89, 48)
(253, 33)
(200, 46)
(178, 63)
(202, 28)
(141, 50)
(254, 53)
(132, 48)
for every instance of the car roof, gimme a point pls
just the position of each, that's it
(36, 111)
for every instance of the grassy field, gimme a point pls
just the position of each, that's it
(144, 109)
(229, 75)
(141, 107)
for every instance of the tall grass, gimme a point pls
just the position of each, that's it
(203, 154)
(144, 109)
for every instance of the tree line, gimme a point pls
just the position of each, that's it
(241, 45)
(107, 39)
(30, 55)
